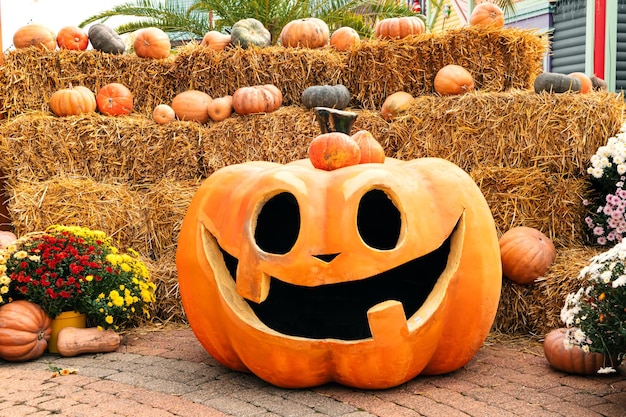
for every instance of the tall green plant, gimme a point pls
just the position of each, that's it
(173, 16)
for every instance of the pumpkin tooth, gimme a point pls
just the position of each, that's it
(387, 320)
(252, 284)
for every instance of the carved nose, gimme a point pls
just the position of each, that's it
(326, 258)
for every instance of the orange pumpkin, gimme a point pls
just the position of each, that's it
(220, 108)
(152, 43)
(24, 331)
(334, 150)
(573, 360)
(114, 99)
(453, 79)
(257, 99)
(344, 38)
(586, 84)
(371, 150)
(216, 40)
(526, 254)
(399, 27)
(309, 32)
(35, 35)
(72, 101)
(396, 104)
(163, 114)
(304, 276)
(72, 38)
(192, 105)
(487, 14)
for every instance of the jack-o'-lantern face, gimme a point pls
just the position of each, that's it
(367, 275)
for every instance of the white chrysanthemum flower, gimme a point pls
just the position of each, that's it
(606, 370)
(619, 282)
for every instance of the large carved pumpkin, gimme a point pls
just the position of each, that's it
(367, 275)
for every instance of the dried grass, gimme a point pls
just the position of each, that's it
(130, 149)
(498, 60)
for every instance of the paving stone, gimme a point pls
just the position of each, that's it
(168, 374)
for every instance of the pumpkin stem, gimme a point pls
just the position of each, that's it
(333, 120)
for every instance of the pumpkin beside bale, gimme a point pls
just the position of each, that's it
(453, 80)
(526, 254)
(572, 359)
(24, 331)
(399, 27)
(257, 99)
(309, 32)
(36, 35)
(192, 105)
(344, 38)
(73, 101)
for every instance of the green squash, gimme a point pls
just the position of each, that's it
(105, 39)
(553, 82)
(250, 32)
(333, 96)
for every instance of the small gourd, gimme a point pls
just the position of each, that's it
(333, 96)
(220, 108)
(73, 341)
(396, 104)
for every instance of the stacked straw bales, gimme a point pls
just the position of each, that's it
(134, 179)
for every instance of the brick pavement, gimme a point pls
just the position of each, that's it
(164, 373)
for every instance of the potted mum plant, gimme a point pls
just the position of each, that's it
(71, 268)
(595, 315)
(606, 221)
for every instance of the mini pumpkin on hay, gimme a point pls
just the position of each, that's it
(366, 275)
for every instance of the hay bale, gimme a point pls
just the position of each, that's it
(521, 129)
(536, 308)
(37, 146)
(498, 59)
(165, 204)
(168, 306)
(112, 208)
(281, 136)
(550, 202)
(292, 70)
(29, 77)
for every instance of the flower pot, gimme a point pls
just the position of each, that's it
(65, 319)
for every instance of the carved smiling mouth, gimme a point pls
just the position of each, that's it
(339, 311)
